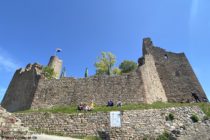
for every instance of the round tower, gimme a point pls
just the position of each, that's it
(56, 64)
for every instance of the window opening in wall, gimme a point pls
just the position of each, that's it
(166, 57)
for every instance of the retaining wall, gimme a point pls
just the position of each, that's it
(136, 124)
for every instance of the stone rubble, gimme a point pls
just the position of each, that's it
(12, 128)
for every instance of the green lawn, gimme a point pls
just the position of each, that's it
(157, 105)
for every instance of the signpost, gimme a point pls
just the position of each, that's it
(115, 119)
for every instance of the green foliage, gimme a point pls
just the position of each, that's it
(164, 136)
(116, 71)
(170, 117)
(205, 118)
(156, 105)
(92, 138)
(105, 63)
(48, 72)
(206, 108)
(145, 138)
(127, 66)
(38, 130)
(194, 118)
(86, 72)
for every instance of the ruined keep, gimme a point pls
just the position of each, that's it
(161, 76)
(56, 64)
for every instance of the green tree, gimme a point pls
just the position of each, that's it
(86, 72)
(105, 63)
(116, 71)
(127, 66)
(48, 72)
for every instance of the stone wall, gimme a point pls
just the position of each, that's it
(11, 127)
(20, 92)
(136, 124)
(69, 91)
(175, 72)
(152, 84)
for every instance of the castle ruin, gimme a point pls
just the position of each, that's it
(56, 64)
(161, 76)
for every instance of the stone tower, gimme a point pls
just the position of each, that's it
(20, 92)
(56, 64)
(174, 72)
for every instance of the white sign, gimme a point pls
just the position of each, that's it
(115, 119)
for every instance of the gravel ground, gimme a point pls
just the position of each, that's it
(50, 137)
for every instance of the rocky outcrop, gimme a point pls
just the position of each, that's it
(11, 127)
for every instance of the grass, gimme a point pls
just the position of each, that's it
(92, 138)
(206, 108)
(157, 105)
(164, 136)
(49, 132)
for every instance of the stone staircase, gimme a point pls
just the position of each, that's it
(12, 128)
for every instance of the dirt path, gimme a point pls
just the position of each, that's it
(50, 137)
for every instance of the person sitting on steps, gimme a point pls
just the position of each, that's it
(80, 106)
(110, 103)
(92, 105)
(119, 104)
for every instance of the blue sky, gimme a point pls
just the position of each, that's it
(31, 30)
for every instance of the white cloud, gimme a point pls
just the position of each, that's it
(7, 63)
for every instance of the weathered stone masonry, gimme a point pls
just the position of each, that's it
(20, 92)
(175, 72)
(161, 76)
(11, 127)
(67, 91)
(136, 124)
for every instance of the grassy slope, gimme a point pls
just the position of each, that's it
(157, 105)
(72, 110)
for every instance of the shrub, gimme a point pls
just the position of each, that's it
(205, 118)
(92, 138)
(145, 138)
(116, 71)
(127, 66)
(170, 117)
(164, 136)
(48, 72)
(194, 118)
